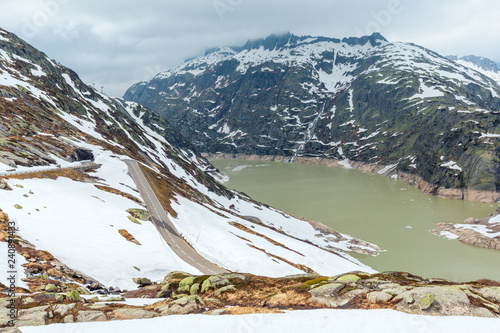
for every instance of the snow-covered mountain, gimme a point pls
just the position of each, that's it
(50, 117)
(481, 64)
(364, 99)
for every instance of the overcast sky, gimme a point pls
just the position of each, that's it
(118, 43)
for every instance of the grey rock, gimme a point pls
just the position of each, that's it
(88, 316)
(64, 309)
(127, 313)
(32, 317)
(378, 296)
(216, 312)
(224, 289)
(438, 300)
(327, 290)
(68, 319)
(491, 293)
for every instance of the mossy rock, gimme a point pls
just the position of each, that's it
(214, 282)
(133, 219)
(224, 289)
(350, 278)
(142, 281)
(50, 288)
(425, 302)
(185, 284)
(175, 275)
(73, 295)
(195, 288)
(16, 206)
(313, 282)
(140, 214)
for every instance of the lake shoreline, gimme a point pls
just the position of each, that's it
(384, 170)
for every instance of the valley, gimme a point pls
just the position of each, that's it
(395, 216)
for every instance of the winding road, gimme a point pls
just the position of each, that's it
(165, 227)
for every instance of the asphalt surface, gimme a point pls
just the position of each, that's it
(165, 226)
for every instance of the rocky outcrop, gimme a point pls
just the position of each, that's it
(468, 234)
(236, 293)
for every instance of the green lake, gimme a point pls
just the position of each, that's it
(389, 213)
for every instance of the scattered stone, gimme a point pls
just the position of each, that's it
(378, 296)
(224, 289)
(214, 282)
(5, 186)
(142, 281)
(216, 312)
(16, 206)
(123, 314)
(185, 284)
(64, 309)
(174, 274)
(28, 300)
(184, 305)
(350, 278)
(73, 295)
(195, 288)
(426, 301)
(50, 288)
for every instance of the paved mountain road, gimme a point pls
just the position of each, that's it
(165, 226)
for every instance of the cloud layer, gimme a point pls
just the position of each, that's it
(115, 44)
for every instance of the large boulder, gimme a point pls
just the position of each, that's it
(490, 293)
(439, 300)
(32, 317)
(126, 313)
(88, 316)
(184, 305)
(220, 280)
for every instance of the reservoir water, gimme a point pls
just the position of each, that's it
(389, 213)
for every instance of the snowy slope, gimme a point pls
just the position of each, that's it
(342, 321)
(79, 223)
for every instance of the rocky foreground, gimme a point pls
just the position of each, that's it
(55, 293)
(229, 294)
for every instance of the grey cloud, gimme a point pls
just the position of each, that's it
(116, 43)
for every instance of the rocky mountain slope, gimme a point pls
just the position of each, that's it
(481, 64)
(88, 228)
(394, 105)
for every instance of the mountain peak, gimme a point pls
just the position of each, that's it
(481, 62)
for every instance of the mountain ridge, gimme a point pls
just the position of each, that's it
(364, 99)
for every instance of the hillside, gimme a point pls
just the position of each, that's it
(393, 107)
(88, 227)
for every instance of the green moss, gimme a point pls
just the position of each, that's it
(133, 219)
(350, 278)
(315, 281)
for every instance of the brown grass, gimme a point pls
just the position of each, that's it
(128, 236)
(272, 241)
(52, 174)
(298, 266)
(118, 192)
(289, 298)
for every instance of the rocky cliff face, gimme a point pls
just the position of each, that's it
(365, 99)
